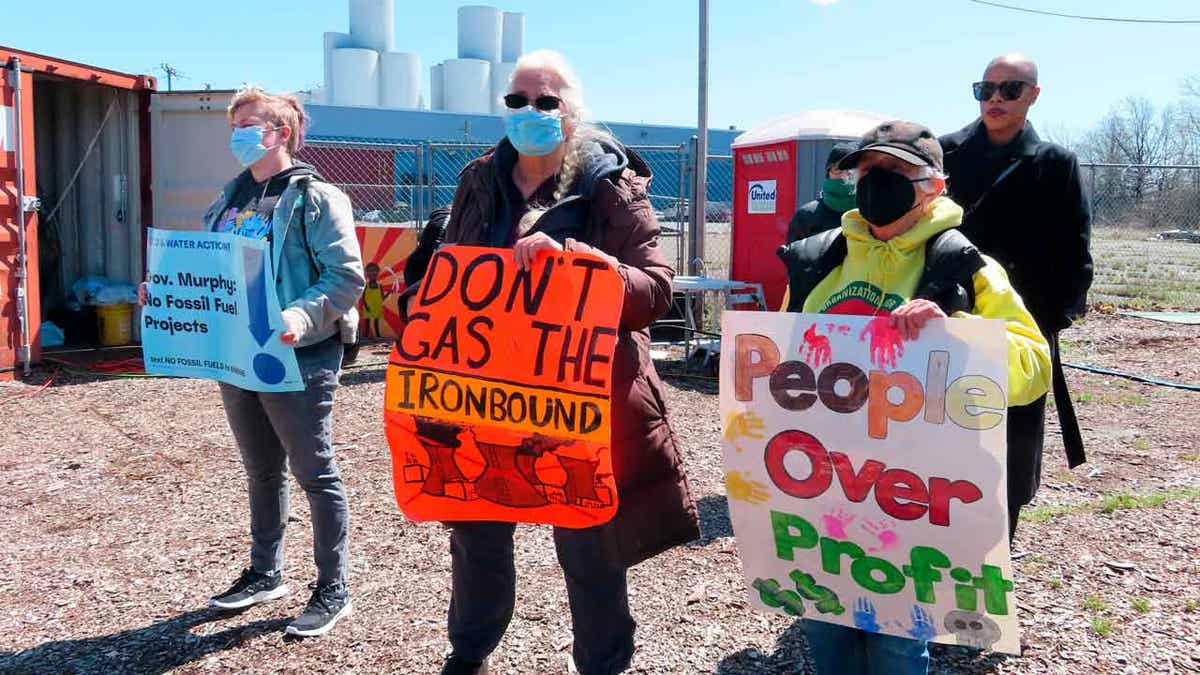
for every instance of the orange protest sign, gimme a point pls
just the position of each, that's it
(497, 404)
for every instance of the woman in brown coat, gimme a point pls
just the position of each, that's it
(556, 184)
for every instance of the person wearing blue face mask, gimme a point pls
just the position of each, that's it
(309, 226)
(555, 183)
(837, 197)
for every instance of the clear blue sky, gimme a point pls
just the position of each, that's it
(911, 58)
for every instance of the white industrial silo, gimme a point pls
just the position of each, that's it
(513, 37)
(437, 97)
(501, 73)
(399, 80)
(467, 86)
(373, 24)
(480, 29)
(356, 74)
(333, 41)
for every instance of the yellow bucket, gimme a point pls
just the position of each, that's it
(116, 324)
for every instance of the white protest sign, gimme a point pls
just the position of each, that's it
(866, 474)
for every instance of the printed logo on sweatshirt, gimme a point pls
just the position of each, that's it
(861, 298)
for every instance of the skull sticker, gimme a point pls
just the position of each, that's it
(972, 629)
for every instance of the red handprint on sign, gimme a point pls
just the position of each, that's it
(882, 531)
(816, 349)
(887, 344)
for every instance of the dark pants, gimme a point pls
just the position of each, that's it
(485, 586)
(275, 431)
(1026, 440)
(845, 650)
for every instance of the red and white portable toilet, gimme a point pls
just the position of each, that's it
(777, 168)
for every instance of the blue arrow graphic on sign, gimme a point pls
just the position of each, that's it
(256, 295)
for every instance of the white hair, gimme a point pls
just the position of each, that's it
(571, 92)
(570, 88)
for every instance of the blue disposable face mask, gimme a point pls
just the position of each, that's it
(246, 144)
(534, 132)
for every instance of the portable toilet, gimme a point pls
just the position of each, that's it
(778, 167)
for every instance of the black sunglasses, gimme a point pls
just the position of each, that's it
(544, 103)
(1010, 90)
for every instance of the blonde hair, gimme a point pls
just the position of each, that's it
(570, 90)
(284, 110)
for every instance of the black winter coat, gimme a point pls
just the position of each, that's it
(1036, 222)
(814, 217)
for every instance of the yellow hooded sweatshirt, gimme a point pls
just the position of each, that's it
(879, 276)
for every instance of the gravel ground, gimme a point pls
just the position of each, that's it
(123, 509)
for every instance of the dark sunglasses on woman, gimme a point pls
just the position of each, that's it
(543, 103)
(1010, 90)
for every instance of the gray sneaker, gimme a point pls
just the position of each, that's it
(250, 589)
(327, 605)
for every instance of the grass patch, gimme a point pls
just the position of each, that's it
(1102, 626)
(1141, 444)
(1112, 399)
(1065, 476)
(1140, 605)
(1093, 603)
(1055, 584)
(1119, 502)
(1191, 606)
(1190, 457)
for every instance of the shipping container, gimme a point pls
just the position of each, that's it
(75, 193)
(195, 125)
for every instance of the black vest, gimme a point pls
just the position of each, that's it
(951, 262)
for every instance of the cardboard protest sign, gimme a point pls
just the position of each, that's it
(212, 313)
(866, 474)
(497, 403)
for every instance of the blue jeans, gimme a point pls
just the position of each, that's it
(842, 650)
(293, 429)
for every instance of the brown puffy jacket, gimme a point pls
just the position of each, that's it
(608, 213)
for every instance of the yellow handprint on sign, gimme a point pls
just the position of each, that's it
(744, 423)
(739, 488)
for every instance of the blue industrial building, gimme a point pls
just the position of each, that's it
(407, 126)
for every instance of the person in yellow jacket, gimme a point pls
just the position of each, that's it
(899, 255)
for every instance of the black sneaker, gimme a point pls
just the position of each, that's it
(456, 665)
(326, 606)
(250, 589)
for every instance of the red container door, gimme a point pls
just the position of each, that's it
(14, 297)
(764, 199)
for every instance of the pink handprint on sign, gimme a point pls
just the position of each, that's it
(835, 523)
(887, 344)
(883, 532)
(816, 349)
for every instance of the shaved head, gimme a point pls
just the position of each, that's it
(1017, 62)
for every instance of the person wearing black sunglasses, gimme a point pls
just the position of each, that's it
(1025, 207)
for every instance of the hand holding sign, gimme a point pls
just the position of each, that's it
(292, 327)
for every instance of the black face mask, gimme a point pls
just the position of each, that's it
(884, 197)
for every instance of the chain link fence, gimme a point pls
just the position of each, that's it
(1145, 235)
(1151, 197)
(403, 182)
(381, 179)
